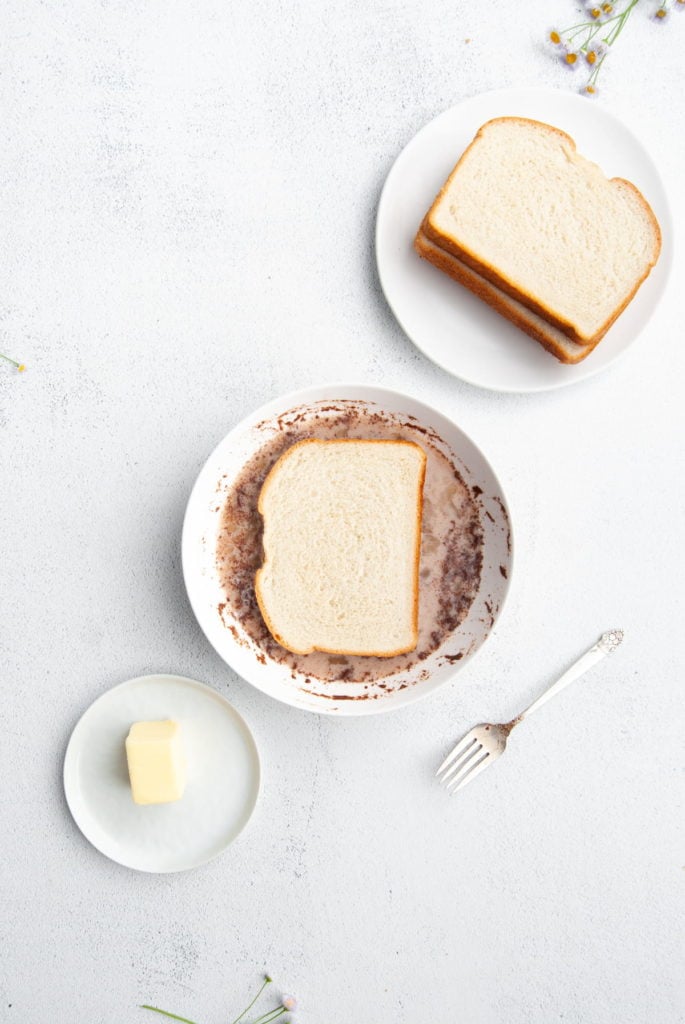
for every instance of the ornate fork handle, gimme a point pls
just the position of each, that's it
(607, 643)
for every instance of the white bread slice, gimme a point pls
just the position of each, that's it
(526, 211)
(551, 338)
(342, 537)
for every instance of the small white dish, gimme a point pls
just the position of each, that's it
(451, 326)
(227, 635)
(222, 781)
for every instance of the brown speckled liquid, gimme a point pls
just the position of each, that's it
(451, 542)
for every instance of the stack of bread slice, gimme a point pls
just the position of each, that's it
(539, 233)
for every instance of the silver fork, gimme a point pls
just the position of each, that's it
(483, 745)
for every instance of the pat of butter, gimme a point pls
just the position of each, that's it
(156, 763)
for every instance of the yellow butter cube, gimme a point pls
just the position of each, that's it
(156, 762)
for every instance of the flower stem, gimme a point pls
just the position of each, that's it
(620, 22)
(575, 29)
(271, 1015)
(19, 366)
(267, 981)
(165, 1013)
(595, 71)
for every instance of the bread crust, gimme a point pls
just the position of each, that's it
(490, 273)
(499, 300)
(417, 549)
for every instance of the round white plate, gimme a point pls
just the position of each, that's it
(222, 776)
(227, 636)
(451, 326)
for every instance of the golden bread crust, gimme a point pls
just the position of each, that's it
(496, 298)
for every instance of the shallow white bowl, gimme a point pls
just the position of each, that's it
(201, 526)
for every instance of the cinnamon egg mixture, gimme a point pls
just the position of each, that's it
(451, 539)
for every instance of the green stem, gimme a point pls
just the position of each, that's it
(593, 27)
(579, 26)
(591, 35)
(165, 1013)
(573, 35)
(12, 361)
(250, 1005)
(595, 71)
(271, 1015)
(622, 19)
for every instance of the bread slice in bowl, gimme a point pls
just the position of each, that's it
(341, 542)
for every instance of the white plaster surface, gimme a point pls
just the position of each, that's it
(188, 195)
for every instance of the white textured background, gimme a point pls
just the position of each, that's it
(188, 198)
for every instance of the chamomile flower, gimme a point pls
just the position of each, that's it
(570, 53)
(579, 44)
(595, 51)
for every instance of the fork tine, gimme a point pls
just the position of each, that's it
(458, 767)
(470, 752)
(456, 751)
(464, 777)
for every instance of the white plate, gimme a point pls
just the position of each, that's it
(222, 781)
(227, 636)
(451, 326)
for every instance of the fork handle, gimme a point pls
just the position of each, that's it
(607, 643)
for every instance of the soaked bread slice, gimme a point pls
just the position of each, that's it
(342, 536)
